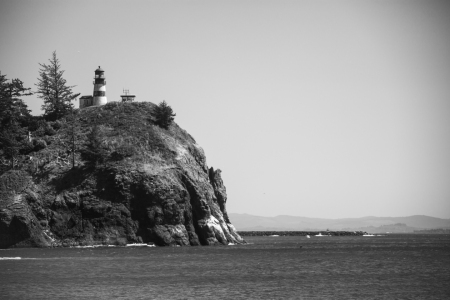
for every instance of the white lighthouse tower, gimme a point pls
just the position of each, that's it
(99, 88)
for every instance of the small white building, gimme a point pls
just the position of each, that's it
(86, 101)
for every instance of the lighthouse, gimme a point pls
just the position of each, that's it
(99, 88)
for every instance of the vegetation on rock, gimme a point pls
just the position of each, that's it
(12, 106)
(52, 88)
(14, 117)
(112, 175)
(164, 115)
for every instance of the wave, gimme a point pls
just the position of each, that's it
(91, 246)
(104, 246)
(9, 258)
(139, 245)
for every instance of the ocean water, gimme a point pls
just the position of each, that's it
(379, 267)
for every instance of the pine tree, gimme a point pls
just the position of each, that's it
(13, 114)
(164, 115)
(11, 143)
(53, 89)
(95, 151)
(11, 104)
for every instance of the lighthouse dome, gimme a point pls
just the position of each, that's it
(99, 70)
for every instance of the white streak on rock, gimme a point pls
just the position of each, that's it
(181, 152)
(214, 225)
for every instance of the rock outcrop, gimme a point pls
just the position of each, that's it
(166, 196)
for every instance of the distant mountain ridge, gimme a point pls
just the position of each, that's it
(246, 222)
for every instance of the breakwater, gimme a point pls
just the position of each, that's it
(301, 233)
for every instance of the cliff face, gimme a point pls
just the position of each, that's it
(160, 191)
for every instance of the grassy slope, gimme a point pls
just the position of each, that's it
(130, 140)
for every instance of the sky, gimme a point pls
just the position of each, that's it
(319, 108)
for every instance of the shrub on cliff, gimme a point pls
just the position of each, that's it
(56, 125)
(122, 152)
(164, 115)
(12, 137)
(26, 147)
(10, 147)
(39, 144)
(95, 151)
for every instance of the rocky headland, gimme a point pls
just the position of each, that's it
(147, 185)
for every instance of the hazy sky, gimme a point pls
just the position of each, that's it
(310, 108)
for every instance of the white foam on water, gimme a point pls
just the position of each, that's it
(105, 246)
(9, 258)
(92, 246)
(274, 235)
(140, 245)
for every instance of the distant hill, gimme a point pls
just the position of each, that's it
(245, 222)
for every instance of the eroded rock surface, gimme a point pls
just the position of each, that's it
(178, 202)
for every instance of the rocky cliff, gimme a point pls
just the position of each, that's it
(149, 184)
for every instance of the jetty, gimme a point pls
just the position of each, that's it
(301, 233)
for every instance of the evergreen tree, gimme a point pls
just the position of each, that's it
(53, 89)
(14, 114)
(12, 107)
(95, 151)
(164, 115)
(11, 142)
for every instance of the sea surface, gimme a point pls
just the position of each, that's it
(379, 267)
